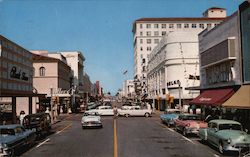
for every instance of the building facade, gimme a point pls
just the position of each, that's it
(52, 77)
(128, 89)
(149, 31)
(224, 80)
(16, 82)
(173, 66)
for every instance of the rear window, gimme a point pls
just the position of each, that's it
(229, 127)
(7, 132)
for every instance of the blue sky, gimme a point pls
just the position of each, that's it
(100, 29)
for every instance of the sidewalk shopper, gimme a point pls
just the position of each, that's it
(22, 115)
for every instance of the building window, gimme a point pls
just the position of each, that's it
(163, 33)
(148, 48)
(141, 33)
(42, 71)
(186, 25)
(156, 33)
(163, 26)
(148, 25)
(171, 25)
(141, 26)
(193, 25)
(148, 41)
(141, 41)
(141, 49)
(156, 26)
(178, 25)
(209, 25)
(143, 60)
(201, 25)
(156, 41)
(148, 33)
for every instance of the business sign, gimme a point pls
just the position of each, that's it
(245, 39)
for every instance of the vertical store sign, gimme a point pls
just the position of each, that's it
(245, 39)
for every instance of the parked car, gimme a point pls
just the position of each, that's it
(189, 124)
(169, 117)
(128, 106)
(91, 120)
(13, 137)
(226, 135)
(41, 122)
(135, 111)
(102, 110)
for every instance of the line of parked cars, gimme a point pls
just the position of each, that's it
(15, 136)
(226, 135)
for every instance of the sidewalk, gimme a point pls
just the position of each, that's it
(158, 112)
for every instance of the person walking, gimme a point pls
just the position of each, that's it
(22, 115)
(115, 111)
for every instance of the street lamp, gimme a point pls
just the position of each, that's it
(179, 87)
(51, 104)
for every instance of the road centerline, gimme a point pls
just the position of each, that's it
(115, 139)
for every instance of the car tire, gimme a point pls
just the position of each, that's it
(127, 115)
(147, 114)
(221, 150)
(184, 132)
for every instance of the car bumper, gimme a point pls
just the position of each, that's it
(91, 125)
(192, 131)
(237, 147)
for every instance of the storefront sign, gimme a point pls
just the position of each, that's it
(14, 73)
(173, 82)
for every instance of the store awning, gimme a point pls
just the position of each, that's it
(240, 100)
(214, 97)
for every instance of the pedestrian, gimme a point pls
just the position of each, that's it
(22, 115)
(115, 111)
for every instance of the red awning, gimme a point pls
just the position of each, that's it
(213, 97)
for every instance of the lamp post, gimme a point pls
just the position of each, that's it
(51, 104)
(179, 87)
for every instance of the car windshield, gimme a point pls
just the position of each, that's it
(229, 127)
(7, 131)
(91, 114)
(191, 117)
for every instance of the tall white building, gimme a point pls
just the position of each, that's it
(128, 89)
(149, 31)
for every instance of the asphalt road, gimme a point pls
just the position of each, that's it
(122, 137)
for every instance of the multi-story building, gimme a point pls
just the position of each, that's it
(16, 82)
(149, 31)
(173, 66)
(225, 68)
(52, 77)
(129, 89)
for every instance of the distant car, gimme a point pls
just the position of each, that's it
(91, 120)
(135, 111)
(189, 124)
(226, 135)
(102, 110)
(169, 117)
(13, 137)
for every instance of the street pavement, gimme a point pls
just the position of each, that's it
(121, 137)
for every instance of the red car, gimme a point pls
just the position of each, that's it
(189, 124)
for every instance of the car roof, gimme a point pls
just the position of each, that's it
(224, 121)
(10, 126)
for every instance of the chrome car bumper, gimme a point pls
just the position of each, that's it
(237, 147)
(91, 125)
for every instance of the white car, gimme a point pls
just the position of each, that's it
(90, 120)
(135, 111)
(102, 110)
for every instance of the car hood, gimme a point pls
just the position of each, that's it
(7, 139)
(196, 123)
(235, 135)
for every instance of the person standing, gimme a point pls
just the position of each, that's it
(22, 115)
(115, 111)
